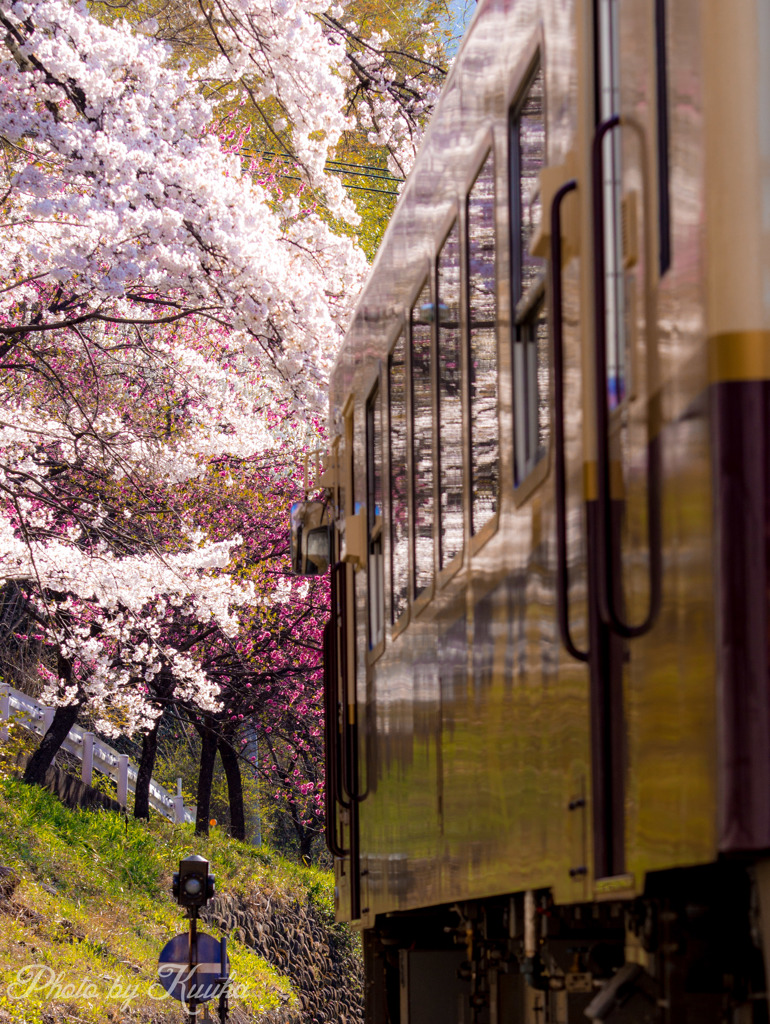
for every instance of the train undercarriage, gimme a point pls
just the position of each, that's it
(688, 951)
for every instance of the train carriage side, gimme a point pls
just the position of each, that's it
(547, 679)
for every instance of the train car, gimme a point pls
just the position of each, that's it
(547, 686)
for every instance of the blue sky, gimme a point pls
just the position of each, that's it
(462, 12)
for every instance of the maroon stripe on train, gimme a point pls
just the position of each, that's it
(741, 465)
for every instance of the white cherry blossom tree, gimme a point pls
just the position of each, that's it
(166, 305)
(159, 309)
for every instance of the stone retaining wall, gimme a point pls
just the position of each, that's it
(322, 961)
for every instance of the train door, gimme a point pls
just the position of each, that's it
(343, 792)
(624, 515)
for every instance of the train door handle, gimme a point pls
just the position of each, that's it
(607, 570)
(339, 660)
(349, 789)
(562, 564)
(354, 793)
(330, 739)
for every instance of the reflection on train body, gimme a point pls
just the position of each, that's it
(547, 672)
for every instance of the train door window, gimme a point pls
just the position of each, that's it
(661, 84)
(530, 346)
(339, 456)
(421, 332)
(350, 506)
(609, 103)
(374, 517)
(450, 414)
(399, 504)
(482, 363)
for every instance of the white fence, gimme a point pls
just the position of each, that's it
(92, 752)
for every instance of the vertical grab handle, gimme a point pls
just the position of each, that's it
(348, 788)
(330, 737)
(350, 781)
(562, 567)
(339, 663)
(606, 575)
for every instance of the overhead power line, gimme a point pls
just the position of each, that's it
(343, 163)
(361, 188)
(341, 170)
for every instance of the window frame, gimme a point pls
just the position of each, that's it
(375, 531)
(419, 600)
(525, 303)
(486, 150)
(398, 625)
(455, 218)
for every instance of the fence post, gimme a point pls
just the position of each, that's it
(123, 780)
(87, 769)
(179, 804)
(5, 712)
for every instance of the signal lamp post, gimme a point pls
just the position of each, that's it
(192, 887)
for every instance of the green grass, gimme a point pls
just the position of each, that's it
(94, 908)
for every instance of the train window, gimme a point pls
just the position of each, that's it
(530, 355)
(399, 504)
(374, 516)
(339, 455)
(608, 38)
(530, 371)
(422, 438)
(482, 372)
(350, 507)
(450, 400)
(661, 80)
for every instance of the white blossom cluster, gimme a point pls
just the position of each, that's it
(117, 191)
(114, 669)
(125, 598)
(396, 92)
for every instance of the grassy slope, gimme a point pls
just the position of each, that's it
(94, 908)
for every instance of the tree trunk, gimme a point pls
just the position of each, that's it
(304, 835)
(234, 789)
(205, 779)
(144, 772)
(42, 759)
(305, 846)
